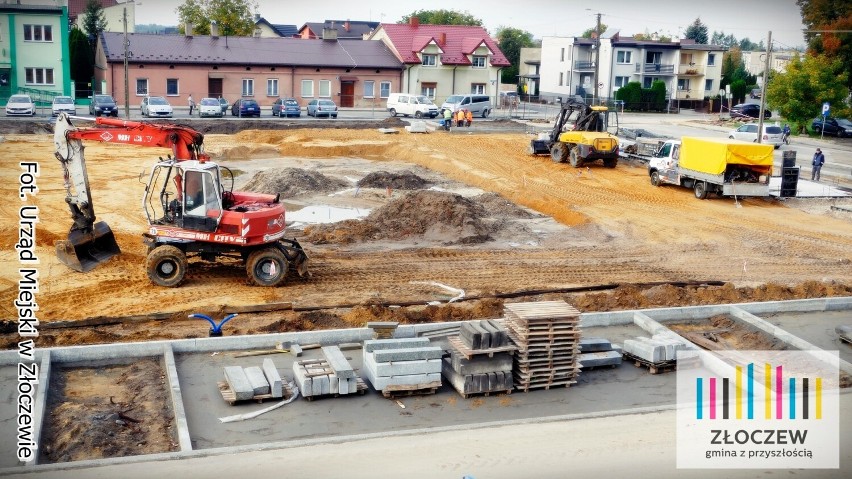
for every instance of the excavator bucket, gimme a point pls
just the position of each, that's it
(83, 251)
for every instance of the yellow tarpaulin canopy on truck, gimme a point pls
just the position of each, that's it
(713, 155)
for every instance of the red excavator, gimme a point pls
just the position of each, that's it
(190, 211)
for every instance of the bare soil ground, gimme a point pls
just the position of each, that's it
(730, 334)
(539, 226)
(108, 411)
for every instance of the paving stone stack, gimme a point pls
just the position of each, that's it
(480, 359)
(598, 352)
(326, 377)
(402, 365)
(254, 382)
(655, 350)
(547, 334)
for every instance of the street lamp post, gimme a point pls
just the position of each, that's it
(597, 54)
(126, 81)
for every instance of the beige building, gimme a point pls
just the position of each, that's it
(755, 62)
(114, 13)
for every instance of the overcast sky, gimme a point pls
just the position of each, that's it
(742, 18)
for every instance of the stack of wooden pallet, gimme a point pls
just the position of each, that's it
(332, 376)
(547, 334)
(480, 359)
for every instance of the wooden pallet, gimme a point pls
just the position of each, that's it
(654, 368)
(231, 397)
(546, 386)
(361, 388)
(485, 393)
(403, 390)
(461, 347)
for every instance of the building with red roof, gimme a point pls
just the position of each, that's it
(443, 60)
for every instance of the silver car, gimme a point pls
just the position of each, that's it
(63, 104)
(772, 135)
(20, 105)
(318, 108)
(156, 106)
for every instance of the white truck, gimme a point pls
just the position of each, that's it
(713, 165)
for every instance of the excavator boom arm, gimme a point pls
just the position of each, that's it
(185, 142)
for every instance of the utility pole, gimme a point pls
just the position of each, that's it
(597, 54)
(766, 64)
(126, 81)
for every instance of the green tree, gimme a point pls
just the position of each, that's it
(697, 31)
(799, 92)
(82, 61)
(588, 33)
(511, 40)
(234, 17)
(659, 95)
(631, 95)
(829, 32)
(443, 17)
(94, 21)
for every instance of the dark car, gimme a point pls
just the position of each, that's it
(839, 127)
(286, 107)
(749, 110)
(243, 107)
(103, 105)
(224, 104)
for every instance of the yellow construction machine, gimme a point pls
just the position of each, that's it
(581, 134)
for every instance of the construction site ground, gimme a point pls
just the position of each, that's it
(489, 220)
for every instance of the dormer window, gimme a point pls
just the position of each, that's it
(478, 61)
(430, 60)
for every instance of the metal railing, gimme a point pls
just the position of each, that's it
(660, 68)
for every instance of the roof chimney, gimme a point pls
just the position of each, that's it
(414, 21)
(188, 29)
(214, 29)
(442, 40)
(329, 34)
(346, 25)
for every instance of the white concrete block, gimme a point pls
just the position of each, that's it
(257, 380)
(276, 386)
(398, 368)
(238, 382)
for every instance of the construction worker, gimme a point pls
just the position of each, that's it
(460, 118)
(448, 119)
(468, 116)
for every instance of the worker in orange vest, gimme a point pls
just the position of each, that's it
(468, 115)
(460, 118)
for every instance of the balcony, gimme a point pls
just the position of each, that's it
(584, 66)
(655, 68)
(690, 70)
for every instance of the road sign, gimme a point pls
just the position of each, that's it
(722, 92)
(825, 109)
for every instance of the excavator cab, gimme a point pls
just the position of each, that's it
(185, 194)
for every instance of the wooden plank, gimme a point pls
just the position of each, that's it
(458, 344)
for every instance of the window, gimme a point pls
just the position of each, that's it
(646, 83)
(248, 87)
(428, 89)
(430, 60)
(38, 76)
(562, 55)
(561, 76)
(686, 59)
(384, 89)
(142, 86)
(172, 87)
(711, 59)
(683, 84)
(623, 56)
(307, 88)
(477, 88)
(654, 57)
(478, 62)
(369, 89)
(272, 87)
(38, 33)
(621, 81)
(325, 88)
(708, 85)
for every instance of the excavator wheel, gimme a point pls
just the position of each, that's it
(267, 267)
(576, 161)
(559, 153)
(166, 266)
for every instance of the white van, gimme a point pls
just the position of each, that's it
(477, 104)
(406, 104)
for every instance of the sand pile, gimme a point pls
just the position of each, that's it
(432, 215)
(405, 180)
(290, 182)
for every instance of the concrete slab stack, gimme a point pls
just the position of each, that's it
(332, 376)
(658, 353)
(480, 359)
(598, 352)
(257, 383)
(402, 366)
(547, 334)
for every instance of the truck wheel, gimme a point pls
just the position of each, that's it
(559, 153)
(418, 114)
(576, 161)
(166, 266)
(610, 162)
(655, 178)
(266, 267)
(700, 190)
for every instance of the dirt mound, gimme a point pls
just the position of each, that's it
(19, 127)
(405, 180)
(290, 182)
(496, 205)
(359, 316)
(452, 219)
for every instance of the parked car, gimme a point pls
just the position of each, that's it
(63, 104)
(749, 110)
(156, 106)
(224, 104)
(406, 104)
(103, 105)
(209, 107)
(839, 127)
(20, 105)
(477, 104)
(322, 108)
(755, 93)
(772, 135)
(286, 107)
(243, 107)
